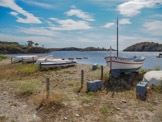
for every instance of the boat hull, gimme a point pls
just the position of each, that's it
(57, 64)
(125, 65)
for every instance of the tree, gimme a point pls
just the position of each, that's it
(30, 43)
(36, 44)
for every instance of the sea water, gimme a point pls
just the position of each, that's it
(97, 57)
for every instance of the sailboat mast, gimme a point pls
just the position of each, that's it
(117, 36)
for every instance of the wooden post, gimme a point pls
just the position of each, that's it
(22, 60)
(110, 64)
(40, 66)
(33, 59)
(82, 80)
(47, 87)
(101, 72)
(11, 60)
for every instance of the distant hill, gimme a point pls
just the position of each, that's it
(79, 49)
(145, 46)
(16, 48)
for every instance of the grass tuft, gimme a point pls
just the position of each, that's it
(27, 87)
(157, 67)
(2, 57)
(28, 69)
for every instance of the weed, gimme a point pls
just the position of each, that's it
(105, 110)
(28, 68)
(157, 67)
(85, 100)
(90, 93)
(27, 87)
(70, 84)
(69, 72)
(2, 57)
(55, 99)
(105, 76)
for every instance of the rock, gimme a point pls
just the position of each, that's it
(118, 109)
(153, 77)
(65, 118)
(123, 101)
(77, 115)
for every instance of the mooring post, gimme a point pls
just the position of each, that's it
(101, 72)
(33, 59)
(110, 64)
(47, 87)
(11, 60)
(22, 60)
(40, 66)
(82, 80)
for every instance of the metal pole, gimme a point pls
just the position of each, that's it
(82, 78)
(117, 36)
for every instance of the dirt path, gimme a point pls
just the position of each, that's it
(13, 109)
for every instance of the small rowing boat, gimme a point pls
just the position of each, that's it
(63, 63)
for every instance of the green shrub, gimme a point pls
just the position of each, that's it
(157, 67)
(90, 93)
(27, 87)
(28, 68)
(2, 57)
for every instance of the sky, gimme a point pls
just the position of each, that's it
(81, 23)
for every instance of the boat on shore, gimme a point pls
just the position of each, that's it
(31, 58)
(120, 65)
(63, 63)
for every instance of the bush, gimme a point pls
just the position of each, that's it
(27, 87)
(28, 68)
(2, 57)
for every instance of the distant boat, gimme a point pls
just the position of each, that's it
(120, 65)
(159, 56)
(63, 63)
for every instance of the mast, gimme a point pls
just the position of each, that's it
(117, 36)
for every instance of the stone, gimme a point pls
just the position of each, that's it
(65, 118)
(118, 109)
(153, 77)
(77, 115)
(123, 101)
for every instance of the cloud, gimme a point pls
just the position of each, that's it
(133, 7)
(124, 21)
(154, 27)
(70, 24)
(39, 39)
(30, 18)
(32, 2)
(38, 31)
(80, 14)
(14, 13)
(108, 25)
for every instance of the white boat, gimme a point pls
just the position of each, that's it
(30, 58)
(42, 60)
(126, 65)
(120, 65)
(63, 63)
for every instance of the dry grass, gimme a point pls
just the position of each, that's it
(27, 87)
(54, 99)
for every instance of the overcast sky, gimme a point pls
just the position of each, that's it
(81, 23)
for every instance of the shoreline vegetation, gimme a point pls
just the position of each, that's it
(28, 86)
(16, 48)
(144, 46)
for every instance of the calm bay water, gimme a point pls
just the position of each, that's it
(98, 57)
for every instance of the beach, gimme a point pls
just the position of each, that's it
(24, 97)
